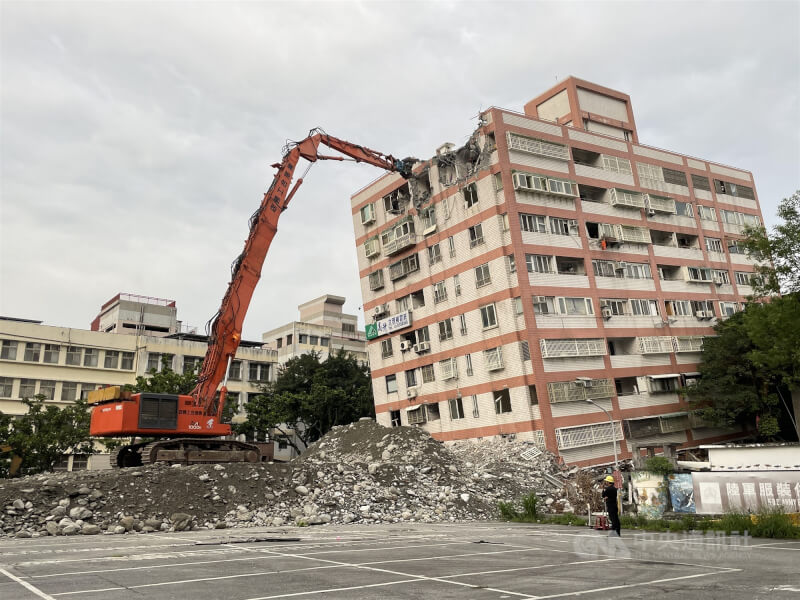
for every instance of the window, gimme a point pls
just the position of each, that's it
(428, 375)
(428, 218)
(488, 316)
(258, 371)
(235, 372)
(504, 222)
(463, 322)
(606, 268)
(372, 247)
(153, 361)
(638, 271)
(445, 330)
(73, 355)
(448, 369)
(127, 361)
(27, 388)
(482, 275)
(32, 352)
(386, 348)
(8, 350)
(47, 389)
(575, 306)
(411, 378)
(111, 360)
(544, 305)
(470, 195)
(451, 245)
(6, 386)
(324, 342)
(302, 338)
(530, 182)
(475, 235)
(432, 411)
(313, 340)
(376, 280)
(534, 397)
(707, 213)
(743, 278)
(678, 308)
(734, 248)
(617, 165)
(289, 338)
(416, 415)
(456, 285)
(537, 146)
(700, 183)
(511, 263)
(558, 186)
(502, 401)
(468, 361)
(69, 391)
(727, 308)
(498, 181)
(456, 408)
(517, 305)
(538, 263)
(279, 343)
(404, 267)
(90, 357)
(699, 273)
(559, 226)
(493, 358)
(391, 384)
(51, 353)
(720, 276)
(434, 254)
(673, 176)
(367, 213)
(643, 307)
(475, 411)
(533, 223)
(524, 351)
(615, 305)
(683, 209)
(439, 292)
(394, 415)
(713, 244)
(422, 334)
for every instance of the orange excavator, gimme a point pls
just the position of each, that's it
(188, 429)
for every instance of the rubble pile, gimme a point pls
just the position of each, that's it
(361, 472)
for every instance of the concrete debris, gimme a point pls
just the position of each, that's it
(361, 472)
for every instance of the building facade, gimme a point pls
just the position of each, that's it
(133, 314)
(323, 328)
(64, 364)
(549, 270)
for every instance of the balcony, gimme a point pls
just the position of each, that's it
(399, 244)
(625, 199)
(573, 391)
(588, 435)
(660, 204)
(636, 235)
(652, 426)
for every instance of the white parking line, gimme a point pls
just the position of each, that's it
(26, 585)
(629, 585)
(327, 591)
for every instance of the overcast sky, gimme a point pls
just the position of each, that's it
(137, 138)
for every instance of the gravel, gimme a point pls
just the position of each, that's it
(362, 472)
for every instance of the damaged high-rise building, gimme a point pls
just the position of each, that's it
(550, 269)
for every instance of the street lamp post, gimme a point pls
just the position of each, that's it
(613, 432)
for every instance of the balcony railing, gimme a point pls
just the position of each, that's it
(399, 244)
(626, 199)
(572, 391)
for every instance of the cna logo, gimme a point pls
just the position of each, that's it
(210, 424)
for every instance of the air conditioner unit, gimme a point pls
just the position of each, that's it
(369, 219)
(421, 347)
(405, 346)
(573, 222)
(411, 392)
(606, 312)
(618, 265)
(381, 309)
(703, 314)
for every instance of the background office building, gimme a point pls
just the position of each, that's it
(551, 261)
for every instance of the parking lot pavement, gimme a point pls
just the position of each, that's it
(477, 561)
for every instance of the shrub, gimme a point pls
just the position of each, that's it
(530, 505)
(659, 465)
(507, 511)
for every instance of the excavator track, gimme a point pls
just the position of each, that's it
(189, 451)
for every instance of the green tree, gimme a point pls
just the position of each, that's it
(43, 434)
(751, 367)
(310, 397)
(165, 381)
(781, 247)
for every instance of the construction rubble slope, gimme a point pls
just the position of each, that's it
(363, 473)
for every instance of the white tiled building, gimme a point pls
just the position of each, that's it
(551, 260)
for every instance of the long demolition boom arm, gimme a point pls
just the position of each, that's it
(226, 329)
